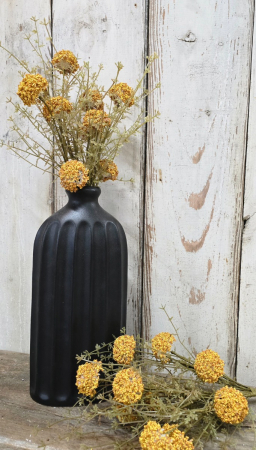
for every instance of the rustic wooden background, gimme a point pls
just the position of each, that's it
(190, 215)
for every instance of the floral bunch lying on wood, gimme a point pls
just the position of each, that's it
(144, 386)
(76, 119)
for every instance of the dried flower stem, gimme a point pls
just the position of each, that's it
(169, 396)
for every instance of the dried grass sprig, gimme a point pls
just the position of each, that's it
(165, 393)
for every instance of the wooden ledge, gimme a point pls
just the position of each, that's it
(26, 425)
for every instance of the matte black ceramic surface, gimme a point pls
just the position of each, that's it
(79, 293)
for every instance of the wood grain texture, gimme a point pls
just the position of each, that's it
(107, 32)
(26, 425)
(246, 359)
(25, 191)
(195, 170)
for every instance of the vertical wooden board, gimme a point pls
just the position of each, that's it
(107, 32)
(246, 358)
(25, 191)
(195, 170)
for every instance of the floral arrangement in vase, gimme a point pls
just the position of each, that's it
(168, 401)
(74, 130)
(77, 120)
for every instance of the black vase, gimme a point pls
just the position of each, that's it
(79, 293)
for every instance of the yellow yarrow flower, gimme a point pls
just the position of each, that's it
(127, 386)
(209, 366)
(161, 344)
(122, 93)
(87, 378)
(230, 405)
(92, 99)
(55, 106)
(110, 170)
(124, 349)
(65, 61)
(31, 87)
(73, 175)
(168, 437)
(96, 119)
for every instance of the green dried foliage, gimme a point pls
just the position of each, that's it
(63, 138)
(172, 394)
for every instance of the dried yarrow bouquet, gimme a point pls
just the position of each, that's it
(168, 401)
(79, 121)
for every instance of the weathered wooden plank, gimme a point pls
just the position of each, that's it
(107, 32)
(25, 191)
(246, 360)
(195, 170)
(28, 424)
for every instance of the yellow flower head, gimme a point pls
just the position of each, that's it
(124, 349)
(168, 437)
(209, 366)
(96, 119)
(73, 175)
(110, 170)
(161, 344)
(92, 99)
(127, 386)
(31, 87)
(87, 378)
(65, 61)
(56, 105)
(122, 93)
(230, 405)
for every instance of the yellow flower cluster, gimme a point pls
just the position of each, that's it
(230, 405)
(65, 61)
(121, 92)
(56, 105)
(168, 437)
(73, 175)
(127, 386)
(161, 344)
(209, 366)
(92, 100)
(96, 119)
(87, 378)
(31, 87)
(110, 170)
(124, 349)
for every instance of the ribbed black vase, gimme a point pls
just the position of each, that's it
(79, 293)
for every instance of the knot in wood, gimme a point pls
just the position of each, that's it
(189, 37)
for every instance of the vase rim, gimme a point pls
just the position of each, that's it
(85, 188)
(87, 193)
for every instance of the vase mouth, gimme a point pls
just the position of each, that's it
(89, 193)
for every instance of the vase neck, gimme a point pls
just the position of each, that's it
(88, 194)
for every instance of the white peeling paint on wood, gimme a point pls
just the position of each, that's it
(195, 170)
(246, 358)
(108, 32)
(24, 190)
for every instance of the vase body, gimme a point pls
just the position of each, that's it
(79, 293)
